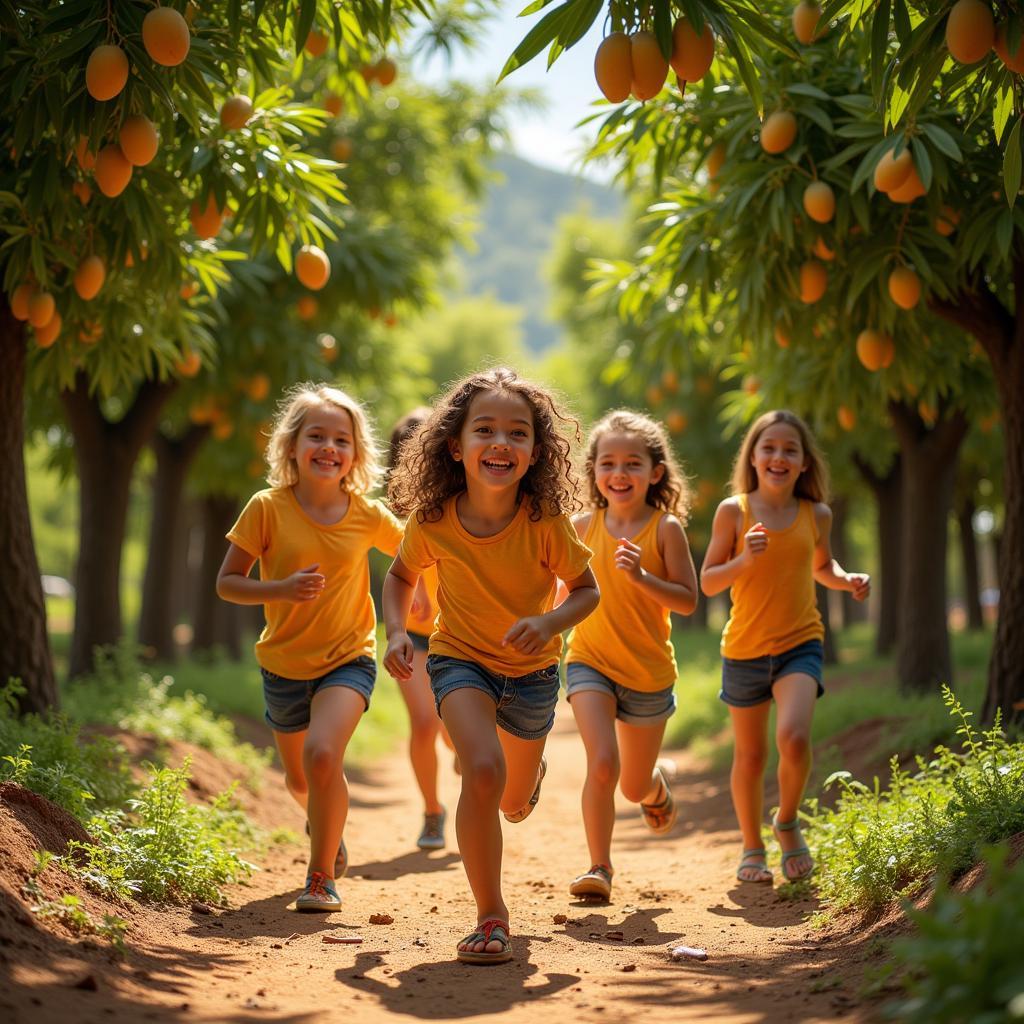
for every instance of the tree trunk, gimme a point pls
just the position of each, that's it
(923, 656)
(829, 643)
(853, 611)
(211, 625)
(969, 560)
(24, 648)
(888, 492)
(165, 563)
(105, 454)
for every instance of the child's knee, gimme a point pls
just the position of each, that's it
(603, 768)
(635, 789)
(483, 775)
(750, 760)
(794, 743)
(423, 727)
(321, 760)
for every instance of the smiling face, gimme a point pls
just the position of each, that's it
(325, 447)
(779, 457)
(497, 443)
(624, 470)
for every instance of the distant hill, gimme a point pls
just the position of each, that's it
(518, 221)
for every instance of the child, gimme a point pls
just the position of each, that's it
(621, 668)
(424, 725)
(769, 544)
(311, 531)
(487, 485)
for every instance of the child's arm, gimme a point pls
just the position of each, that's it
(399, 588)
(234, 584)
(678, 592)
(827, 571)
(720, 569)
(582, 523)
(531, 634)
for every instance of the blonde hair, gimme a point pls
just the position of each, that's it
(813, 482)
(294, 407)
(672, 492)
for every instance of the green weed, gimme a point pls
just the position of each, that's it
(70, 912)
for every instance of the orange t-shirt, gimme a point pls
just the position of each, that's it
(306, 639)
(486, 584)
(628, 637)
(424, 624)
(774, 607)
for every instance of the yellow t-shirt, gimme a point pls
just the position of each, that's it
(306, 639)
(424, 624)
(628, 637)
(486, 584)
(774, 607)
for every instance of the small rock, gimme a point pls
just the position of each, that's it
(276, 945)
(88, 984)
(419, 942)
(433, 910)
(616, 936)
(201, 908)
(381, 919)
(629, 967)
(639, 941)
(560, 918)
(688, 953)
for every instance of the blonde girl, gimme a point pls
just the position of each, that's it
(769, 544)
(620, 665)
(310, 531)
(424, 725)
(488, 489)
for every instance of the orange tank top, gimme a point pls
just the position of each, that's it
(628, 637)
(773, 603)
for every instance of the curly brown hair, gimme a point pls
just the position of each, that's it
(427, 475)
(672, 492)
(402, 431)
(813, 482)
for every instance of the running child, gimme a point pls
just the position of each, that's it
(424, 725)
(620, 666)
(310, 531)
(488, 488)
(769, 544)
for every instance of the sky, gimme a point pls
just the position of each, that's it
(548, 137)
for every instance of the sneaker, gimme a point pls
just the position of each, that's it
(524, 812)
(595, 884)
(319, 896)
(340, 858)
(432, 836)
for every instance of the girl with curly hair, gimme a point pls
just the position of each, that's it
(620, 666)
(310, 532)
(488, 487)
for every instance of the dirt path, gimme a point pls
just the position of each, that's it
(260, 962)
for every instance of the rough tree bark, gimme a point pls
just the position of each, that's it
(216, 622)
(24, 648)
(105, 454)
(165, 562)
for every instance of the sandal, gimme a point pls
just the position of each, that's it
(319, 895)
(749, 862)
(798, 851)
(525, 811)
(340, 858)
(491, 930)
(595, 884)
(660, 816)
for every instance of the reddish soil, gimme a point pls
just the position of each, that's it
(259, 961)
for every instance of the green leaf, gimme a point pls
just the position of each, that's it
(304, 22)
(806, 89)
(1012, 164)
(943, 141)
(1002, 110)
(545, 31)
(901, 19)
(879, 47)
(922, 161)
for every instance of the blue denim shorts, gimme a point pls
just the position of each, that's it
(749, 681)
(634, 707)
(420, 641)
(288, 700)
(526, 704)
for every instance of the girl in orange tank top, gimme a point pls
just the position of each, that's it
(769, 545)
(620, 666)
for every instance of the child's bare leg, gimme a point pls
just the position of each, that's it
(595, 718)
(423, 729)
(470, 717)
(522, 765)
(335, 712)
(750, 754)
(289, 749)
(639, 746)
(795, 696)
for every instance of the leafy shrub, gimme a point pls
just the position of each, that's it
(879, 845)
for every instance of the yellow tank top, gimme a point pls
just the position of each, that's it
(628, 637)
(773, 603)
(424, 624)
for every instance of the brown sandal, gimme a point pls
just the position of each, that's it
(661, 815)
(491, 930)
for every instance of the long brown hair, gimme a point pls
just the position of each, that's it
(672, 492)
(813, 482)
(427, 475)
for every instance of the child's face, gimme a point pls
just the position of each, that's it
(624, 470)
(325, 448)
(497, 442)
(779, 457)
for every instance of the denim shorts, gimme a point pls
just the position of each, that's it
(634, 707)
(288, 700)
(749, 681)
(420, 641)
(526, 704)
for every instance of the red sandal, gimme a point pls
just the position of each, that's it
(491, 930)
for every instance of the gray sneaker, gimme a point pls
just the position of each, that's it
(432, 836)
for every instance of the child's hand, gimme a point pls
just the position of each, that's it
(755, 540)
(860, 585)
(398, 656)
(305, 585)
(528, 636)
(627, 558)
